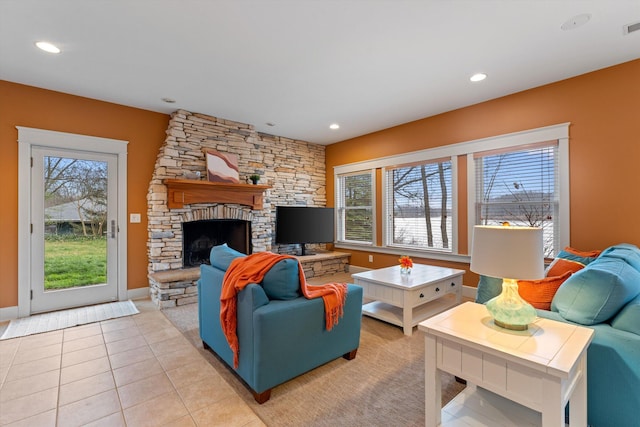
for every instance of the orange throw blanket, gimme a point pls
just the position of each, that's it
(251, 269)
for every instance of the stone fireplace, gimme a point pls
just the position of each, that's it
(293, 171)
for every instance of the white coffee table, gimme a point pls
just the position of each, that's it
(406, 300)
(541, 368)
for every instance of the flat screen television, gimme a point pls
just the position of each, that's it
(304, 224)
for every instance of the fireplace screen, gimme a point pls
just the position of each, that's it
(198, 237)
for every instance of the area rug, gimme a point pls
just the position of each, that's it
(46, 322)
(382, 386)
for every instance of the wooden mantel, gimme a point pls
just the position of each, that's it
(188, 191)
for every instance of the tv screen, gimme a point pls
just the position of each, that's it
(303, 224)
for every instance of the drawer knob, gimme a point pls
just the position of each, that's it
(437, 289)
(421, 295)
(453, 284)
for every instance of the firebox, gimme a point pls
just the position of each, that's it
(198, 237)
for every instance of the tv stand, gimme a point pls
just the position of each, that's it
(303, 251)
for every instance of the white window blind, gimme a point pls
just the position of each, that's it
(520, 186)
(354, 202)
(419, 205)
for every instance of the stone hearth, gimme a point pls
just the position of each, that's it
(293, 170)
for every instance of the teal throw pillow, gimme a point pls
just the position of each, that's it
(282, 281)
(488, 287)
(596, 293)
(222, 255)
(629, 317)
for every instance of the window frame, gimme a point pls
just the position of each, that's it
(339, 204)
(559, 132)
(387, 210)
(516, 142)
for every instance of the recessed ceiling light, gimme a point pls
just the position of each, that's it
(169, 100)
(576, 21)
(334, 126)
(478, 77)
(270, 124)
(48, 47)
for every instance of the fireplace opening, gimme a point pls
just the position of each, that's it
(198, 237)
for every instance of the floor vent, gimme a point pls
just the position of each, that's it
(631, 28)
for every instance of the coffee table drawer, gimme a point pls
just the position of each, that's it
(435, 290)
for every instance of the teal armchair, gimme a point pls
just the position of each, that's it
(279, 338)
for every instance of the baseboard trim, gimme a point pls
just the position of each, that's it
(469, 292)
(138, 293)
(8, 313)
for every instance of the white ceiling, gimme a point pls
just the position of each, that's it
(304, 64)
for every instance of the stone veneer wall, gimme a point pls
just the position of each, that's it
(294, 169)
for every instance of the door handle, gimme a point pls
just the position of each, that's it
(113, 228)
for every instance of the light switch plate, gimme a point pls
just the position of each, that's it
(134, 218)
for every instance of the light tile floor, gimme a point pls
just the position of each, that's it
(132, 371)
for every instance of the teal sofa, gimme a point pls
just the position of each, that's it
(281, 333)
(604, 296)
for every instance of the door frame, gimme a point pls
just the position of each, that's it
(29, 137)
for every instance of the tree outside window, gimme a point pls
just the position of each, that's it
(519, 187)
(419, 205)
(78, 186)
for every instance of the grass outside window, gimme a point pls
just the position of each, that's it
(71, 261)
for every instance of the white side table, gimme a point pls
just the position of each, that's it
(541, 368)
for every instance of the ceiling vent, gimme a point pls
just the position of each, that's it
(631, 28)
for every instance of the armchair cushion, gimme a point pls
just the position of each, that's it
(222, 255)
(282, 281)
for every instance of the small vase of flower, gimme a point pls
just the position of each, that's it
(405, 264)
(254, 178)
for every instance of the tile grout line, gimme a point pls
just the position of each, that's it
(13, 357)
(111, 370)
(57, 408)
(20, 342)
(169, 378)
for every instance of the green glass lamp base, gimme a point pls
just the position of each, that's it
(509, 310)
(511, 327)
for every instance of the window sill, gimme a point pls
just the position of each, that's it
(440, 256)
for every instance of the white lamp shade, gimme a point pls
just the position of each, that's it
(508, 252)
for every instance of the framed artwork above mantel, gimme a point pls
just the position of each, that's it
(222, 167)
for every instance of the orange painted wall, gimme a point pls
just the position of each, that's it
(603, 110)
(37, 108)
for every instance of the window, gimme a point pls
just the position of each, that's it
(355, 201)
(419, 205)
(520, 177)
(520, 185)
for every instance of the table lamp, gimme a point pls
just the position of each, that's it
(509, 253)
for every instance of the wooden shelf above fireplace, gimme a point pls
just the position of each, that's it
(188, 191)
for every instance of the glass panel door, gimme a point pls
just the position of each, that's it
(74, 229)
